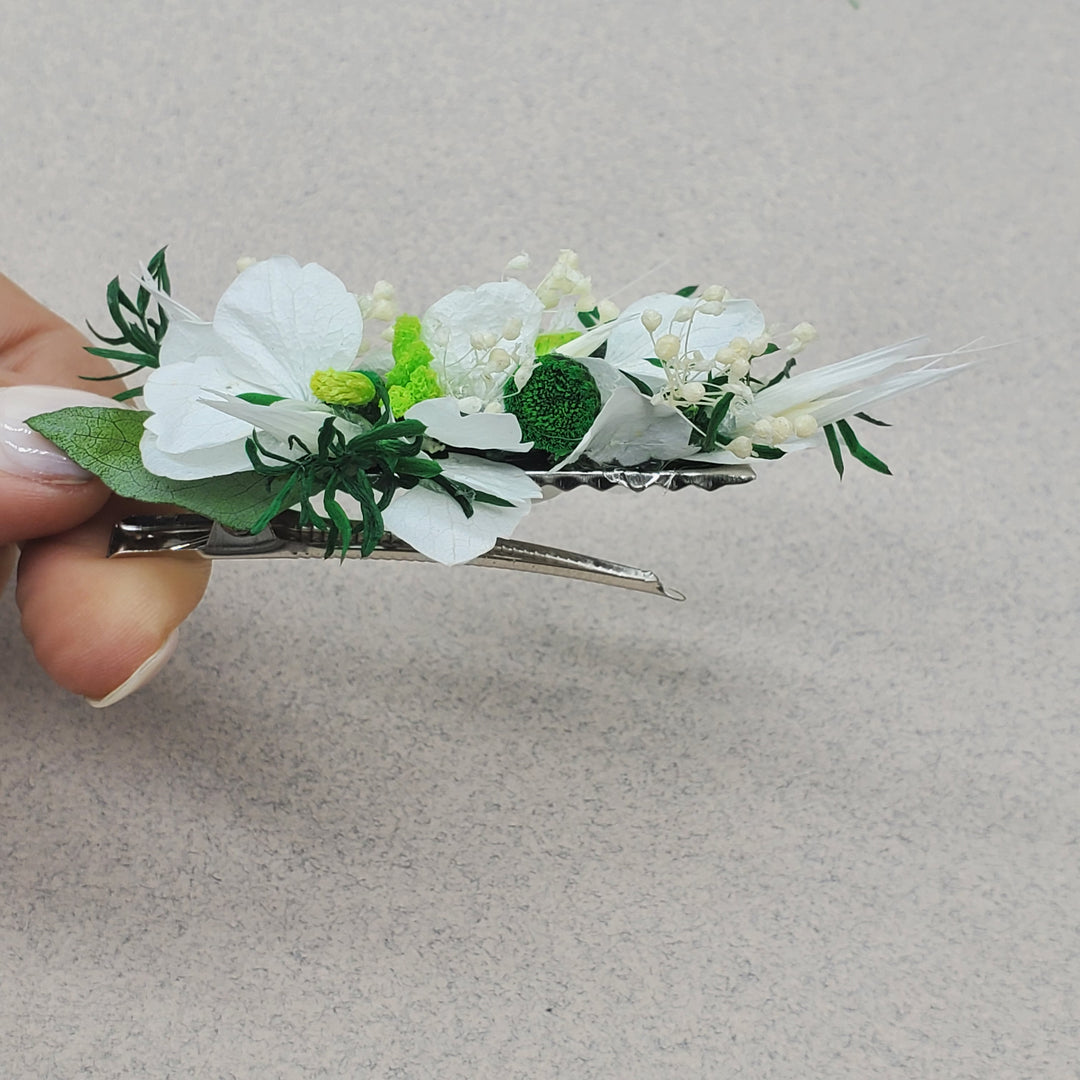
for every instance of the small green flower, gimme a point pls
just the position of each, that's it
(411, 379)
(342, 387)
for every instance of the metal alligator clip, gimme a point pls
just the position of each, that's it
(285, 538)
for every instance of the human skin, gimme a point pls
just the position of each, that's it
(92, 622)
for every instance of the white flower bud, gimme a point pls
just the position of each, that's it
(383, 310)
(759, 345)
(366, 303)
(739, 369)
(691, 392)
(651, 320)
(740, 348)
(586, 302)
(805, 425)
(244, 263)
(569, 258)
(667, 347)
(741, 446)
(804, 332)
(684, 314)
(715, 292)
(608, 310)
(494, 407)
(499, 359)
(518, 262)
(698, 361)
(711, 307)
(781, 430)
(763, 430)
(470, 405)
(383, 290)
(512, 329)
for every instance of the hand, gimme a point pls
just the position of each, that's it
(100, 628)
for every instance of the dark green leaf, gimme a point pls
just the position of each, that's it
(643, 387)
(127, 395)
(834, 449)
(763, 451)
(687, 290)
(781, 375)
(141, 359)
(870, 420)
(859, 452)
(715, 419)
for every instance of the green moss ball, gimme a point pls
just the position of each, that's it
(556, 406)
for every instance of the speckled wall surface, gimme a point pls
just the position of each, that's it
(818, 821)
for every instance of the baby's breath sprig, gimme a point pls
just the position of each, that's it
(370, 467)
(143, 333)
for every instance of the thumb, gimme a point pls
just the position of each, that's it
(42, 491)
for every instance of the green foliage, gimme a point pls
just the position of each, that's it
(412, 378)
(370, 467)
(140, 327)
(716, 418)
(106, 442)
(549, 343)
(687, 290)
(557, 406)
(855, 448)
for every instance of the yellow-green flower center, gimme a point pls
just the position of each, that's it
(342, 387)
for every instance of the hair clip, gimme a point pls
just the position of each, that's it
(284, 427)
(286, 537)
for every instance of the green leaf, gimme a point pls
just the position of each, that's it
(781, 375)
(763, 451)
(589, 318)
(870, 420)
(260, 399)
(715, 419)
(687, 290)
(859, 452)
(139, 359)
(106, 441)
(127, 395)
(834, 449)
(642, 386)
(655, 361)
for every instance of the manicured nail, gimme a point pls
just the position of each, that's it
(23, 452)
(141, 675)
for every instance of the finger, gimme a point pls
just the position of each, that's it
(37, 346)
(41, 358)
(8, 555)
(94, 622)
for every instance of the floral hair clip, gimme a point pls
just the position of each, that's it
(283, 427)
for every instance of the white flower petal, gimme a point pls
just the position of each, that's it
(630, 429)
(291, 321)
(179, 420)
(282, 419)
(480, 431)
(497, 478)
(629, 344)
(220, 460)
(448, 326)
(434, 524)
(827, 381)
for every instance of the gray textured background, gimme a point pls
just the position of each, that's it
(819, 821)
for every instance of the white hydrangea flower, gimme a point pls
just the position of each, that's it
(481, 337)
(274, 327)
(630, 344)
(429, 519)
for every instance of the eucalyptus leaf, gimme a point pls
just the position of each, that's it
(106, 442)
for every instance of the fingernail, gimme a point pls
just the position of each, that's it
(141, 675)
(23, 452)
